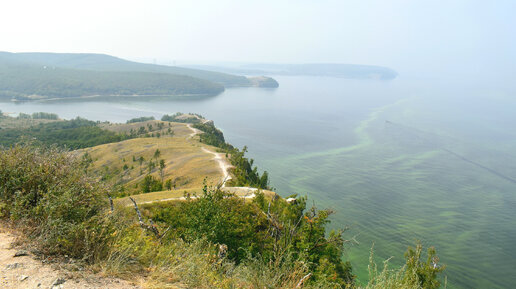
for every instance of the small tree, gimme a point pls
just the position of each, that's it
(140, 160)
(168, 184)
(161, 169)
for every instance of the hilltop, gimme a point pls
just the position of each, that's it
(27, 76)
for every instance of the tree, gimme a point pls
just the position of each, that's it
(140, 160)
(168, 184)
(157, 153)
(151, 166)
(161, 167)
(150, 184)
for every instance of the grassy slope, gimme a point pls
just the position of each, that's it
(186, 164)
(103, 62)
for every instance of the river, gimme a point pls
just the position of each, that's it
(399, 161)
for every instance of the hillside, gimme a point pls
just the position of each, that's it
(115, 210)
(103, 62)
(24, 81)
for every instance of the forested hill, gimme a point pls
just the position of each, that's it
(103, 62)
(24, 81)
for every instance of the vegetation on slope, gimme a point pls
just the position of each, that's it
(73, 134)
(102, 62)
(28, 81)
(243, 171)
(183, 118)
(214, 241)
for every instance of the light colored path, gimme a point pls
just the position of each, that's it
(224, 165)
(250, 195)
(194, 131)
(27, 272)
(220, 158)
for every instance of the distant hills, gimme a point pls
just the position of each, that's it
(352, 71)
(25, 76)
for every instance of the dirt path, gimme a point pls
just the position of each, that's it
(194, 131)
(27, 272)
(218, 157)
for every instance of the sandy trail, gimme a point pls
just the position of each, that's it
(224, 165)
(194, 131)
(27, 272)
(220, 158)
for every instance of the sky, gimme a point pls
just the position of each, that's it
(452, 36)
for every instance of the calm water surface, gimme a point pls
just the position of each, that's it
(399, 161)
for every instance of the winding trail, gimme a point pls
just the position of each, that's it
(218, 157)
(194, 130)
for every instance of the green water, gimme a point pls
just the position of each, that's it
(398, 161)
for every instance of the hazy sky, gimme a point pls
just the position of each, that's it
(405, 35)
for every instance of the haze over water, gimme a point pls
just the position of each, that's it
(398, 161)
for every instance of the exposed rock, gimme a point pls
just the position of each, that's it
(56, 284)
(291, 200)
(24, 277)
(20, 253)
(13, 266)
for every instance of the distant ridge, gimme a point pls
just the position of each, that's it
(104, 62)
(30, 76)
(353, 71)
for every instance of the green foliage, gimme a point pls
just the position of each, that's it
(25, 81)
(48, 190)
(74, 134)
(22, 115)
(425, 270)
(107, 63)
(244, 172)
(168, 184)
(212, 136)
(279, 232)
(140, 119)
(151, 184)
(45, 115)
(157, 153)
(416, 273)
(176, 118)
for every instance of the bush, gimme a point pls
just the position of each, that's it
(47, 190)
(416, 273)
(140, 119)
(151, 184)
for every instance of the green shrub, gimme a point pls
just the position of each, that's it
(47, 190)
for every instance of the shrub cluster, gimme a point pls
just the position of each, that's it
(46, 191)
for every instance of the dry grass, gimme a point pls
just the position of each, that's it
(11, 122)
(177, 195)
(180, 129)
(186, 164)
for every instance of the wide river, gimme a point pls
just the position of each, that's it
(398, 161)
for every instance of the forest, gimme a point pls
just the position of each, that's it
(72, 134)
(28, 82)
